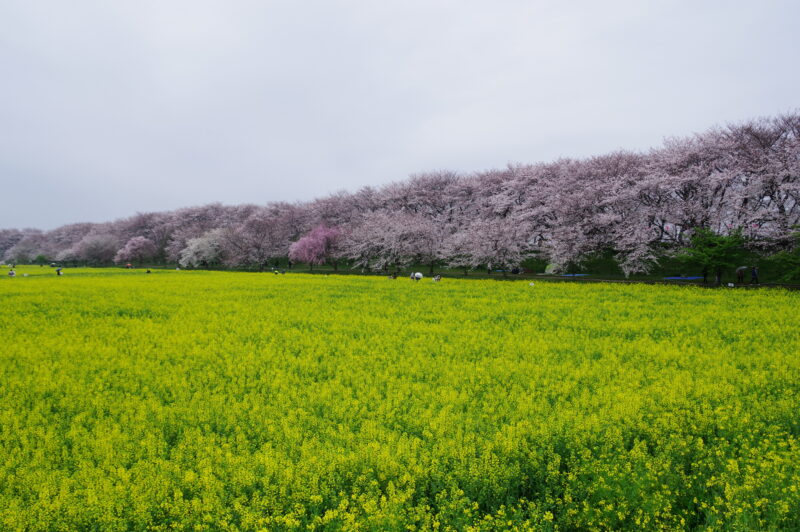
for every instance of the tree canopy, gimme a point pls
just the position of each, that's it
(742, 179)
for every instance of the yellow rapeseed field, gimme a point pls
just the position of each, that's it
(240, 401)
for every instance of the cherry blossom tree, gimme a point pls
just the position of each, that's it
(70, 254)
(262, 237)
(97, 249)
(376, 244)
(204, 251)
(640, 207)
(155, 226)
(8, 239)
(317, 247)
(492, 244)
(391, 241)
(138, 249)
(30, 245)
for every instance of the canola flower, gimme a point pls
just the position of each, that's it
(237, 401)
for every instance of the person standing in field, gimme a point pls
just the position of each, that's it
(754, 275)
(12, 273)
(740, 274)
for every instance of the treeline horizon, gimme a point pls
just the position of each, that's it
(741, 179)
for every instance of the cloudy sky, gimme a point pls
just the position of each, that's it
(109, 108)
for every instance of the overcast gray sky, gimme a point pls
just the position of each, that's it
(109, 108)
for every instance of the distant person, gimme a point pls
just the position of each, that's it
(754, 275)
(12, 273)
(148, 270)
(58, 271)
(437, 278)
(740, 271)
(418, 276)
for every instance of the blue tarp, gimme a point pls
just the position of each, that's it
(574, 274)
(682, 278)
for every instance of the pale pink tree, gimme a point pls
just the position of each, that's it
(384, 241)
(491, 244)
(762, 158)
(195, 222)
(638, 206)
(138, 249)
(155, 226)
(265, 235)
(69, 255)
(375, 243)
(9, 237)
(65, 237)
(28, 248)
(98, 249)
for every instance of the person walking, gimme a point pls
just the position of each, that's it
(754, 275)
(740, 271)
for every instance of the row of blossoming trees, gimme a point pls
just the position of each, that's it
(640, 206)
